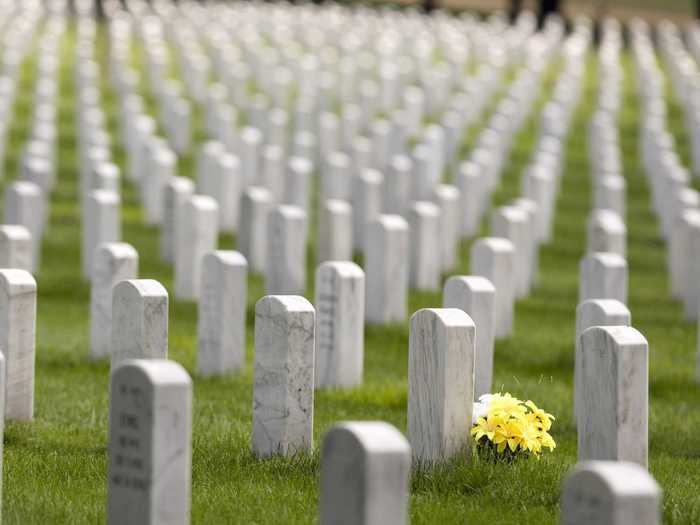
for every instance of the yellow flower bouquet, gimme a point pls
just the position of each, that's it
(508, 428)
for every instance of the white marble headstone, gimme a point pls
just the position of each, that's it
(613, 415)
(365, 474)
(340, 316)
(150, 444)
(283, 376)
(440, 384)
(222, 312)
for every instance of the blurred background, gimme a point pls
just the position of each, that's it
(677, 10)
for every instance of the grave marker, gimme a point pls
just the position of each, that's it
(440, 384)
(283, 376)
(340, 316)
(222, 312)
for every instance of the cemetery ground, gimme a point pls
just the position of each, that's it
(55, 467)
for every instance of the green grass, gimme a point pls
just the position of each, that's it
(55, 467)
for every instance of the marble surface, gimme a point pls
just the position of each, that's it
(298, 183)
(16, 247)
(198, 235)
(227, 190)
(614, 401)
(162, 163)
(18, 292)
(222, 313)
(150, 444)
(425, 265)
(606, 232)
(691, 296)
(494, 258)
(366, 205)
(386, 268)
(603, 275)
(447, 198)
(397, 186)
(441, 352)
(509, 222)
(336, 176)
(102, 224)
(283, 376)
(595, 312)
(114, 262)
(24, 206)
(340, 316)
(285, 272)
(256, 203)
(470, 181)
(365, 475)
(139, 321)
(610, 492)
(476, 296)
(176, 192)
(531, 208)
(609, 194)
(539, 185)
(335, 237)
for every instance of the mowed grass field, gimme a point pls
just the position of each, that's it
(55, 466)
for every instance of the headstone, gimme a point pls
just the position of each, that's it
(440, 384)
(386, 268)
(250, 150)
(18, 341)
(285, 273)
(15, 247)
(679, 252)
(340, 317)
(283, 376)
(494, 258)
(365, 474)
(603, 276)
(336, 179)
(197, 236)
(426, 249)
(471, 182)
(613, 415)
(162, 164)
(227, 186)
(606, 232)
(447, 198)
(509, 222)
(298, 185)
(595, 312)
(150, 444)
(476, 296)
(102, 224)
(139, 321)
(397, 182)
(335, 232)
(256, 204)
(610, 492)
(222, 312)
(24, 206)
(366, 204)
(610, 194)
(175, 193)
(113, 263)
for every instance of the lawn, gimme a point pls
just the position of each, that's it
(55, 466)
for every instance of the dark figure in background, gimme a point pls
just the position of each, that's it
(515, 7)
(429, 5)
(547, 7)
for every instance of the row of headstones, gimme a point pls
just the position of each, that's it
(365, 466)
(675, 202)
(26, 203)
(204, 216)
(684, 73)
